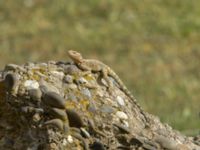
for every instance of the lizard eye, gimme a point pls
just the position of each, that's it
(74, 52)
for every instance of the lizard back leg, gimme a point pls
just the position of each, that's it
(105, 76)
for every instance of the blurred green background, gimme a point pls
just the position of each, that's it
(153, 45)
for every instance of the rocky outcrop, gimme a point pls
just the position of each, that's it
(57, 106)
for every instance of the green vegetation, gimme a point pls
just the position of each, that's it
(153, 45)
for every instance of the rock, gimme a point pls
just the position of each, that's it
(166, 142)
(120, 101)
(36, 117)
(82, 80)
(74, 118)
(68, 79)
(86, 92)
(107, 109)
(30, 109)
(85, 133)
(55, 123)
(58, 113)
(54, 100)
(10, 81)
(71, 69)
(35, 94)
(70, 139)
(121, 115)
(97, 146)
(122, 128)
(72, 86)
(56, 105)
(31, 84)
(58, 74)
(47, 87)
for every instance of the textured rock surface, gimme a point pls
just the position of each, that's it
(57, 106)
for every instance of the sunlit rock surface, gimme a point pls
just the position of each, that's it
(57, 106)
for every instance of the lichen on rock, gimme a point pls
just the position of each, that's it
(56, 105)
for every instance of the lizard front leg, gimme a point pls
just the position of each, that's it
(84, 68)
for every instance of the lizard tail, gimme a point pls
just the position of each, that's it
(123, 87)
(121, 84)
(126, 91)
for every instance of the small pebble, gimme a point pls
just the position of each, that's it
(56, 123)
(100, 93)
(103, 81)
(64, 142)
(35, 94)
(71, 96)
(45, 86)
(85, 133)
(27, 109)
(70, 139)
(30, 109)
(120, 101)
(53, 146)
(54, 100)
(166, 142)
(59, 113)
(122, 128)
(97, 145)
(68, 79)
(58, 74)
(71, 69)
(36, 117)
(125, 123)
(92, 108)
(31, 84)
(107, 109)
(121, 115)
(72, 86)
(10, 81)
(74, 118)
(86, 92)
(82, 80)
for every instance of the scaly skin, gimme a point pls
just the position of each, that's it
(97, 66)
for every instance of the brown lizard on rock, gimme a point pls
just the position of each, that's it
(97, 66)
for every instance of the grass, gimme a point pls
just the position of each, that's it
(153, 45)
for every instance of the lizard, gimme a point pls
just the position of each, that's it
(94, 65)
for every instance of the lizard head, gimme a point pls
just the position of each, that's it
(75, 56)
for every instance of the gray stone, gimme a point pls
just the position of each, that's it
(107, 109)
(86, 92)
(68, 79)
(82, 80)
